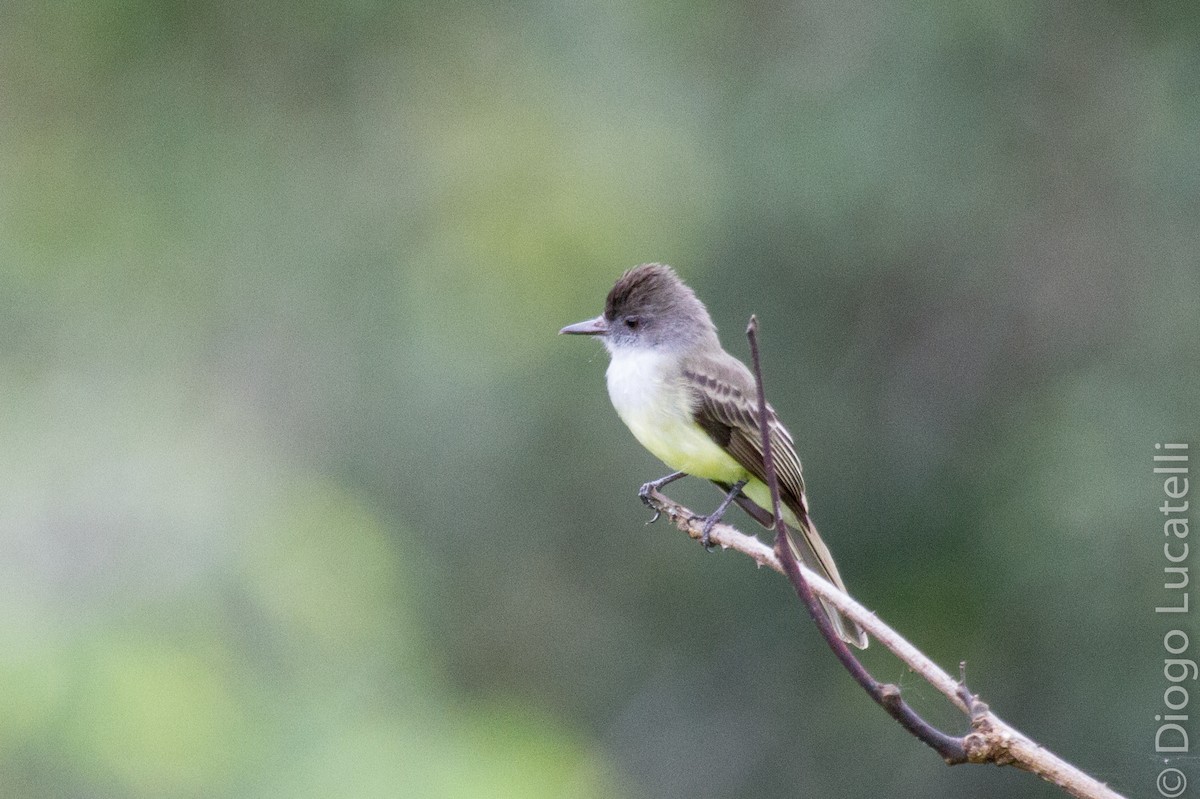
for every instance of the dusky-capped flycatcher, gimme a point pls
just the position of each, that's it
(694, 406)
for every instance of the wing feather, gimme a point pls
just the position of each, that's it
(725, 406)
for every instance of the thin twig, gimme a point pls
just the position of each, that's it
(992, 740)
(888, 697)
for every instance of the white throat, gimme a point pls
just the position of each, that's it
(637, 380)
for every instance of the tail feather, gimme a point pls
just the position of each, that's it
(810, 550)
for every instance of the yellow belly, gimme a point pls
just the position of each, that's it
(656, 407)
(683, 445)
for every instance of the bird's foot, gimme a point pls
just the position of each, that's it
(648, 488)
(706, 532)
(711, 520)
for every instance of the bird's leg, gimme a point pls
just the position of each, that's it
(756, 513)
(654, 485)
(715, 516)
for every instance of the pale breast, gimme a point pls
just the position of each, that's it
(656, 405)
(639, 380)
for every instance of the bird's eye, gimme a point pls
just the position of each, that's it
(632, 323)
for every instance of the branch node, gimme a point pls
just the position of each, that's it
(989, 744)
(890, 694)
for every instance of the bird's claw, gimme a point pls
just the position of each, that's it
(652, 487)
(644, 493)
(706, 534)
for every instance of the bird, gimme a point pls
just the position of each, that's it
(694, 407)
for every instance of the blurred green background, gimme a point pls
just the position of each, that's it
(302, 495)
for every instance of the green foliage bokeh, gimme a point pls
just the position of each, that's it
(304, 497)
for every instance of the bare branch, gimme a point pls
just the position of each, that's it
(991, 740)
(888, 697)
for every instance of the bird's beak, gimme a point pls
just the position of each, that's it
(592, 327)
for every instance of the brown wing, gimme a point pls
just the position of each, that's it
(726, 408)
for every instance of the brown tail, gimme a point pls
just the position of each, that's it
(810, 550)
